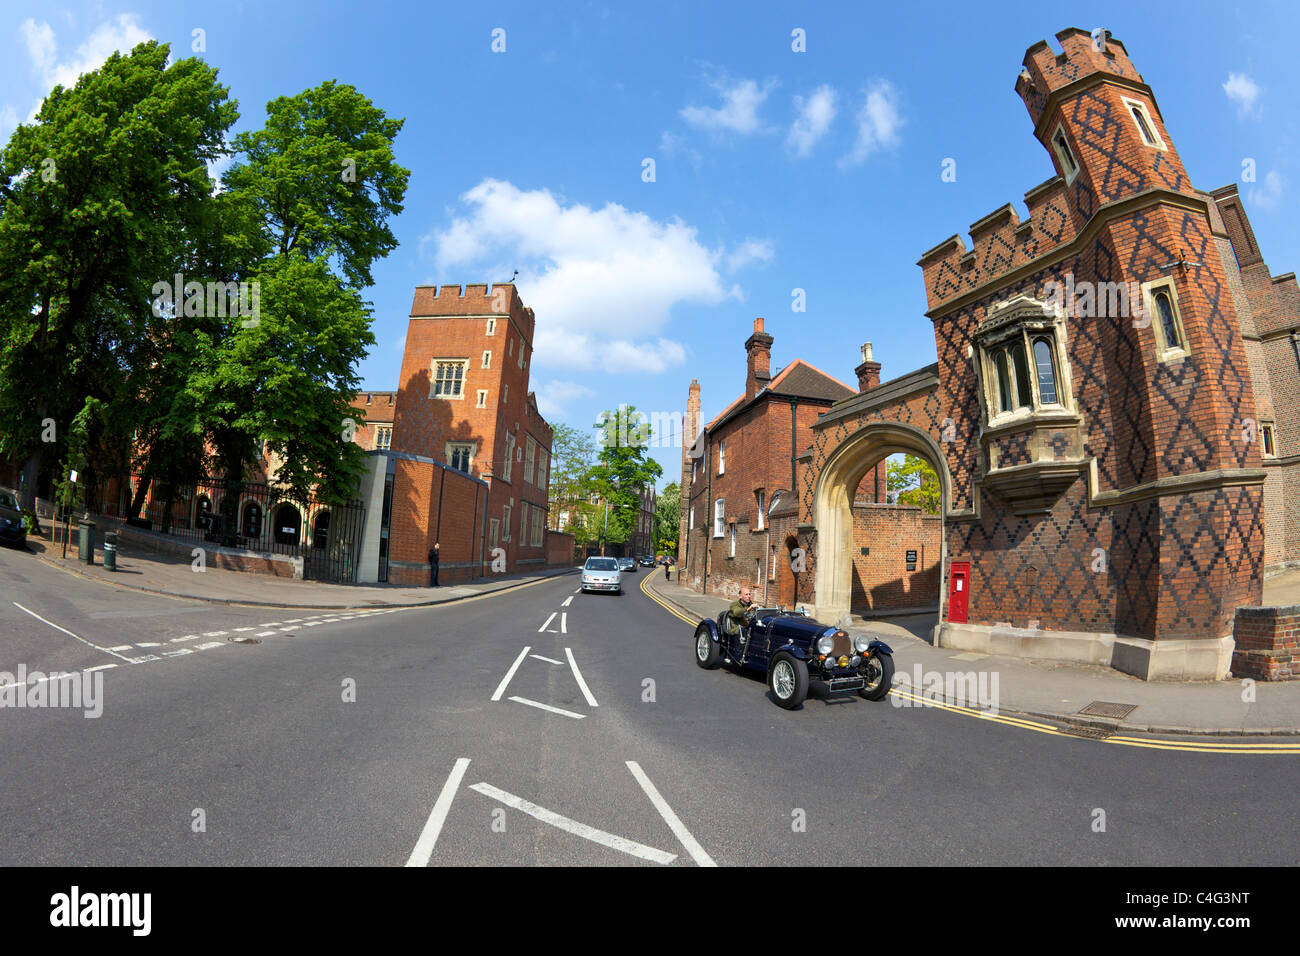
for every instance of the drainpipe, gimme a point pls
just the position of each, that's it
(708, 510)
(794, 445)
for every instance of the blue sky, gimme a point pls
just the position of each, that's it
(774, 170)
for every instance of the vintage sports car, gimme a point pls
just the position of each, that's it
(793, 649)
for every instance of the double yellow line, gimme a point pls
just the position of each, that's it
(1025, 723)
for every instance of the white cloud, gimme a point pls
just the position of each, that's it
(121, 33)
(1268, 194)
(751, 250)
(739, 110)
(1244, 92)
(603, 281)
(878, 122)
(815, 116)
(554, 397)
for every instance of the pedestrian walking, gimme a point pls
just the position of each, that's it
(433, 565)
(668, 563)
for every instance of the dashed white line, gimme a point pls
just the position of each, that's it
(265, 633)
(69, 633)
(238, 630)
(548, 707)
(120, 647)
(548, 622)
(674, 822)
(272, 624)
(564, 622)
(101, 667)
(549, 660)
(433, 826)
(567, 600)
(179, 652)
(622, 844)
(204, 647)
(148, 644)
(501, 688)
(214, 634)
(582, 684)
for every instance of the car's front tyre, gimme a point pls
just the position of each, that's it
(787, 678)
(878, 672)
(707, 652)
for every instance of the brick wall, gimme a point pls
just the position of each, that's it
(433, 503)
(881, 580)
(1267, 643)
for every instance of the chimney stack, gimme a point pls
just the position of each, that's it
(869, 371)
(758, 352)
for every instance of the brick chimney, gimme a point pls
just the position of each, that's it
(692, 415)
(758, 352)
(868, 371)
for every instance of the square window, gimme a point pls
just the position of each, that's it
(460, 455)
(448, 378)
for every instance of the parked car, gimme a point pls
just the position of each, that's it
(13, 526)
(602, 574)
(792, 649)
(628, 565)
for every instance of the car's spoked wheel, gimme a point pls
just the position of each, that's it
(707, 653)
(879, 674)
(788, 680)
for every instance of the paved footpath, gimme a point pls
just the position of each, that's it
(1058, 690)
(158, 573)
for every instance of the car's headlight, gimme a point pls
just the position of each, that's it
(825, 644)
(860, 644)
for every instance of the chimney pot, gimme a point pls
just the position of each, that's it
(758, 324)
(866, 352)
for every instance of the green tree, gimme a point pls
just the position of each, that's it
(97, 196)
(913, 482)
(668, 518)
(573, 452)
(313, 192)
(623, 468)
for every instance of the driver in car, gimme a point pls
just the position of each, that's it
(738, 613)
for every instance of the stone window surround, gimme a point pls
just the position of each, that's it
(1164, 351)
(1027, 319)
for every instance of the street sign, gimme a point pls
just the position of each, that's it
(73, 477)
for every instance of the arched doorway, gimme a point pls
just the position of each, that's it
(250, 524)
(320, 537)
(288, 525)
(833, 516)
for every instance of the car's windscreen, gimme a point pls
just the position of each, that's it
(601, 564)
(8, 501)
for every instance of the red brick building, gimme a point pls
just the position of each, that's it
(469, 459)
(1101, 414)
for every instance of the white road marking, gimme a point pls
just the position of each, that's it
(549, 660)
(433, 826)
(564, 622)
(144, 660)
(187, 637)
(553, 710)
(622, 844)
(272, 624)
(147, 644)
(501, 688)
(674, 822)
(214, 634)
(179, 652)
(548, 622)
(210, 644)
(296, 620)
(265, 633)
(106, 650)
(238, 630)
(120, 647)
(582, 684)
(101, 667)
(567, 600)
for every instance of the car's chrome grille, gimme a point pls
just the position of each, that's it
(843, 647)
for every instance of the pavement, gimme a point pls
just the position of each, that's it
(1056, 690)
(140, 569)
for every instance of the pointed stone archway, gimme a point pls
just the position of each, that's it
(833, 502)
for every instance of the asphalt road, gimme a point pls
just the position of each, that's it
(441, 759)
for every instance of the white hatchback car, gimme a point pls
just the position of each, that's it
(602, 574)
